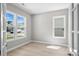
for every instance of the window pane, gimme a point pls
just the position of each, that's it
(10, 28)
(59, 27)
(20, 26)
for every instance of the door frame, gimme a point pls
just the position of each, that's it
(54, 17)
(3, 30)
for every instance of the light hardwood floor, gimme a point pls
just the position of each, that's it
(38, 49)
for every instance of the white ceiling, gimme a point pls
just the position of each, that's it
(36, 8)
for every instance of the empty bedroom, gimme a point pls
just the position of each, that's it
(39, 29)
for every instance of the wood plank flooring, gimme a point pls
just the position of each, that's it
(38, 49)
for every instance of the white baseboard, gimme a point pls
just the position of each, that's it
(19, 46)
(30, 42)
(48, 43)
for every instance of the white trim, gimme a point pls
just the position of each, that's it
(75, 30)
(71, 52)
(33, 41)
(14, 39)
(23, 25)
(75, 50)
(49, 43)
(70, 49)
(7, 11)
(64, 26)
(3, 30)
(19, 46)
(74, 53)
(15, 25)
(70, 29)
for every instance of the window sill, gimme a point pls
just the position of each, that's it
(15, 39)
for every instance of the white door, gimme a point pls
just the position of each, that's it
(59, 29)
(3, 31)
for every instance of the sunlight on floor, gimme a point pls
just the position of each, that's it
(53, 47)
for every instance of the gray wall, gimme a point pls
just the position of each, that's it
(42, 26)
(12, 44)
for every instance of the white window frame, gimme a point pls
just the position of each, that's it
(15, 26)
(54, 17)
(24, 26)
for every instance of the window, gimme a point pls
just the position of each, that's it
(20, 27)
(10, 26)
(15, 26)
(59, 26)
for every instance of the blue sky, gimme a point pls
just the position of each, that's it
(20, 19)
(10, 17)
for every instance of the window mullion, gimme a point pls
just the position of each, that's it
(15, 28)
